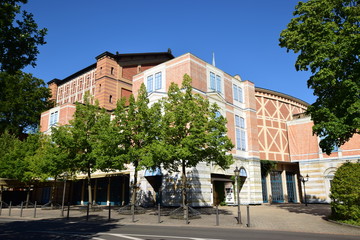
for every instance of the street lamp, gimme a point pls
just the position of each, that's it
(237, 174)
(65, 175)
(304, 180)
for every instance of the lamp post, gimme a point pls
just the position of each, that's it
(237, 174)
(304, 180)
(65, 175)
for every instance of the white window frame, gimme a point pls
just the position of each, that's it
(240, 133)
(54, 118)
(158, 80)
(154, 81)
(215, 81)
(150, 83)
(238, 93)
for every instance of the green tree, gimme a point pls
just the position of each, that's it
(22, 99)
(345, 193)
(326, 35)
(136, 129)
(192, 132)
(51, 161)
(8, 143)
(81, 139)
(19, 38)
(17, 159)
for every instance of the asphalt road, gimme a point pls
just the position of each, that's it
(59, 229)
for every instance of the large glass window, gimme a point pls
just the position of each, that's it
(215, 82)
(240, 133)
(158, 81)
(218, 83)
(54, 118)
(154, 84)
(212, 80)
(150, 83)
(238, 93)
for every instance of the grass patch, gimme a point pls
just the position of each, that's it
(351, 222)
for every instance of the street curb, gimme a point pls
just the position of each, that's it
(340, 223)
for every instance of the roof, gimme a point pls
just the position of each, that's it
(125, 59)
(72, 76)
(264, 90)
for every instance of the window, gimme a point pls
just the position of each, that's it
(240, 133)
(218, 83)
(150, 83)
(215, 82)
(54, 118)
(154, 85)
(110, 99)
(158, 81)
(238, 94)
(212, 80)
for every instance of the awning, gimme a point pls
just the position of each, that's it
(104, 174)
(219, 179)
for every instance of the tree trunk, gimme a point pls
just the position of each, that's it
(89, 188)
(183, 191)
(134, 188)
(53, 190)
(27, 197)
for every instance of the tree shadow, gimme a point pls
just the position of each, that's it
(322, 210)
(77, 228)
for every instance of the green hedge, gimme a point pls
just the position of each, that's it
(345, 193)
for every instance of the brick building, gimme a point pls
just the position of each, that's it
(263, 125)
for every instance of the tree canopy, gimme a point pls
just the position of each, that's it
(136, 129)
(81, 138)
(17, 159)
(326, 36)
(22, 99)
(19, 38)
(191, 132)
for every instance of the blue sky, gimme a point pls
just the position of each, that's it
(242, 34)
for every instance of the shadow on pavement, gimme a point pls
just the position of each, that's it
(77, 228)
(313, 209)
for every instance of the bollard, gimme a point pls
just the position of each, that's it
(248, 216)
(217, 215)
(0, 208)
(87, 211)
(68, 211)
(21, 211)
(109, 219)
(10, 208)
(159, 214)
(35, 209)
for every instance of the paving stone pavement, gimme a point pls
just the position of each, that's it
(281, 217)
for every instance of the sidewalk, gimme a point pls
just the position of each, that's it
(280, 217)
